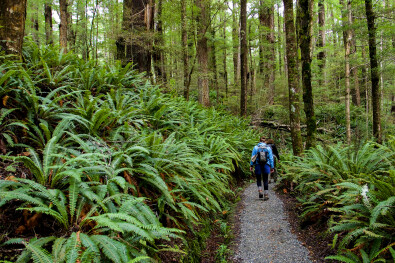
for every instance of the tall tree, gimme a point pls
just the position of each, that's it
(34, 21)
(184, 40)
(202, 51)
(279, 41)
(261, 16)
(48, 22)
(159, 43)
(293, 79)
(235, 41)
(12, 26)
(213, 62)
(305, 28)
(321, 56)
(370, 17)
(347, 38)
(63, 26)
(243, 57)
(267, 48)
(134, 44)
(225, 74)
(82, 34)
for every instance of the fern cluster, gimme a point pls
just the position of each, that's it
(353, 191)
(114, 162)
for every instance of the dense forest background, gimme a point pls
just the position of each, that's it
(203, 50)
(119, 135)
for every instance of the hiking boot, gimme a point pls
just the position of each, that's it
(266, 197)
(260, 195)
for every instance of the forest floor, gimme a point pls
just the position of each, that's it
(269, 231)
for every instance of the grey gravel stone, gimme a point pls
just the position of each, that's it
(265, 234)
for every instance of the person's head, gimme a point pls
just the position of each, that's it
(269, 141)
(262, 139)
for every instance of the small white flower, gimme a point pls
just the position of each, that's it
(364, 192)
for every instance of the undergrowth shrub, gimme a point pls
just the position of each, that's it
(117, 166)
(351, 190)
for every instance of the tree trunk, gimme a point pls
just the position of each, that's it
(347, 37)
(272, 56)
(374, 71)
(82, 34)
(48, 22)
(262, 39)
(213, 63)
(243, 57)
(63, 4)
(279, 41)
(202, 52)
(293, 79)
(71, 31)
(35, 25)
(235, 41)
(224, 60)
(12, 26)
(321, 42)
(356, 95)
(134, 45)
(184, 40)
(305, 28)
(267, 49)
(159, 43)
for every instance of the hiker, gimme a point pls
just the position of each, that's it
(276, 157)
(263, 166)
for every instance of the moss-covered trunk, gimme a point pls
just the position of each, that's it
(305, 28)
(12, 25)
(243, 57)
(293, 79)
(202, 52)
(48, 23)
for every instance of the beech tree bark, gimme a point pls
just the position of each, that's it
(12, 26)
(48, 22)
(305, 27)
(243, 57)
(202, 52)
(63, 5)
(370, 17)
(293, 79)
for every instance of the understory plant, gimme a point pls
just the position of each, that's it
(351, 190)
(117, 167)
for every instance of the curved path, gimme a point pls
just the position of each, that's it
(265, 234)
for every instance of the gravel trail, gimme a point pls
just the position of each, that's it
(265, 235)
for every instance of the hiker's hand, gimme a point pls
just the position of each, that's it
(251, 168)
(272, 170)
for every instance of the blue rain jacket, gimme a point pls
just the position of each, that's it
(269, 162)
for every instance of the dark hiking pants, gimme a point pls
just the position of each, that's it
(262, 172)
